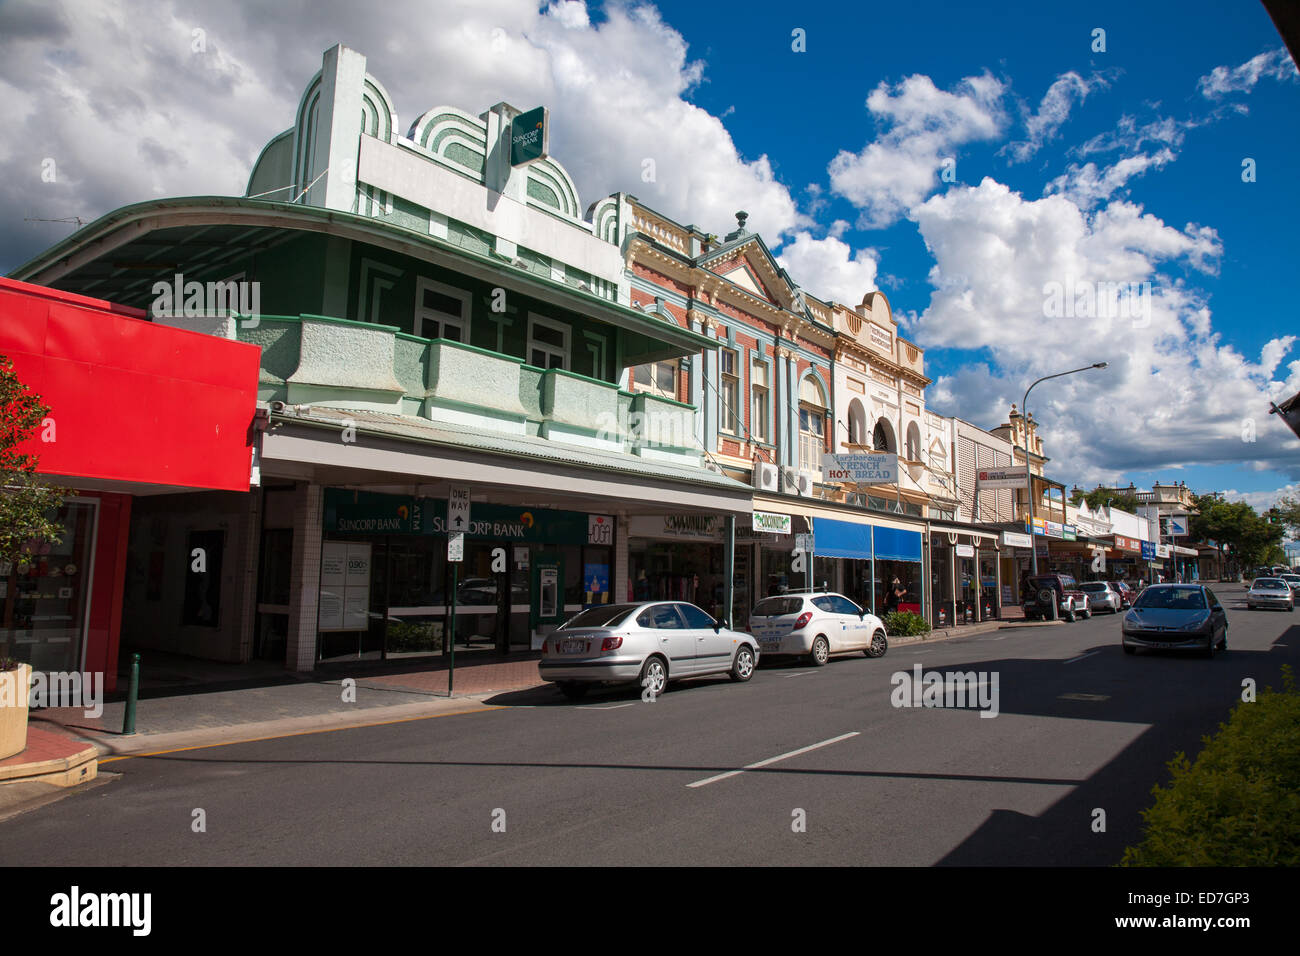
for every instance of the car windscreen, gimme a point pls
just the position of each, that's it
(611, 616)
(778, 607)
(1172, 599)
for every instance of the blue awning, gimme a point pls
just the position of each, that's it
(841, 539)
(895, 544)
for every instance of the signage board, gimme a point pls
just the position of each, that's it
(530, 137)
(457, 510)
(1148, 551)
(1178, 526)
(804, 542)
(456, 546)
(1016, 540)
(600, 529)
(1055, 530)
(1037, 526)
(861, 469)
(1163, 551)
(1070, 532)
(992, 478)
(965, 550)
(344, 586)
(771, 523)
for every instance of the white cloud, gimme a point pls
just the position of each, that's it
(1222, 80)
(1086, 185)
(1068, 89)
(828, 268)
(923, 126)
(1174, 392)
(116, 95)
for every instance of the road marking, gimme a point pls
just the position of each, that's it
(610, 707)
(1091, 698)
(771, 760)
(799, 674)
(1082, 657)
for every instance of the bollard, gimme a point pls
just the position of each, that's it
(133, 688)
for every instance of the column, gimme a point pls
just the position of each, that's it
(304, 587)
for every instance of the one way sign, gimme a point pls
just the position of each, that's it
(458, 510)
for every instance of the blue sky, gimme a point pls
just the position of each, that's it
(1070, 165)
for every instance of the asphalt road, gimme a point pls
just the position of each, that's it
(1080, 727)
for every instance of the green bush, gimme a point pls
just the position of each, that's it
(905, 624)
(1239, 803)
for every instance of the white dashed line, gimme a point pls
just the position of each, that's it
(1081, 657)
(771, 760)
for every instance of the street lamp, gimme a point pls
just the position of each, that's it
(1029, 472)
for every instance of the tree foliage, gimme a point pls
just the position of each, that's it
(1099, 496)
(26, 502)
(1251, 537)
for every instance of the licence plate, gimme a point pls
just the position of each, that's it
(770, 645)
(574, 646)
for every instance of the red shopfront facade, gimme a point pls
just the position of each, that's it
(136, 409)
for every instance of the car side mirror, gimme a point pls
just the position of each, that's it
(718, 624)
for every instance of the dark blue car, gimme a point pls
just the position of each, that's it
(1176, 617)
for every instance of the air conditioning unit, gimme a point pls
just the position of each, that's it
(765, 476)
(797, 482)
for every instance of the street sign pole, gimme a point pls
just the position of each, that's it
(451, 671)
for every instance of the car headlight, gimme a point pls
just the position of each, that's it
(1195, 625)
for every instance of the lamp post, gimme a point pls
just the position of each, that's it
(1029, 472)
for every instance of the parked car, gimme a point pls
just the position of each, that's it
(1270, 592)
(1293, 580)
(650, 643)
(1045, 589)
(1176, 617)
(816, 625)
(1101, 597)
(1126, 592)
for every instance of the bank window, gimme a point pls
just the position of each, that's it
(548, 343)
(730, 391)
(441, 311)
(758, 399)
(659, 378)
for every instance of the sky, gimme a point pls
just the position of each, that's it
(1034, 186)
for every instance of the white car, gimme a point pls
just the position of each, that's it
(1101, 597)
(1270, 592)
(649, 643)
(815, 625)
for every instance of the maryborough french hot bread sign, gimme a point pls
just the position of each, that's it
(529, 137)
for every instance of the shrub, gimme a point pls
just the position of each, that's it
(905, 624)
(1239, 803)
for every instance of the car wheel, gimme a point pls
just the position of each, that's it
(654, 676)
(821, 652)
(1069, 613)
(1209, 646)
(878, 646)
(574, 690)
(742, 669)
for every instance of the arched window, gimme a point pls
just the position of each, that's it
(913, 442)
(882, 439)
(857, 423)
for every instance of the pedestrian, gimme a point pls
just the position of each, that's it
(895, 596)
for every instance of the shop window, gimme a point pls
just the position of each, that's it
(441, 311)
(548, 343)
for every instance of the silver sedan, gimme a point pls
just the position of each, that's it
(649, 643)
(1270, 592)
(1101, 597)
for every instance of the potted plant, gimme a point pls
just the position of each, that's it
(15, 685)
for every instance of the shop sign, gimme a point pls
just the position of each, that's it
(529, 136)
(965, 550)
(366, 512)
(687, 527)
(1037, 526)
(993, 478)
(1177, 525)
(1016, 540)
(372, 513)
(771, 523)
(600, 529)
(1055, 530)
(1163, 551)
(1070, 532)
(1125, 543)
(1148, 551)
(881, 469)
